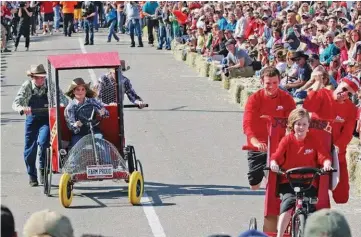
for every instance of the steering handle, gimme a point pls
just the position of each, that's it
(134, 106)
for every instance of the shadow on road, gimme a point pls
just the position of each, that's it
(5, 121)
(174, 190)
(44, 50)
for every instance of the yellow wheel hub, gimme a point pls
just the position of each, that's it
(65, 190)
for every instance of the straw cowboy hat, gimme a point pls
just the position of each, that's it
(36, 70)
(80, 82)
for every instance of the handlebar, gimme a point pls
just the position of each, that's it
(302, 170)
(134, 106)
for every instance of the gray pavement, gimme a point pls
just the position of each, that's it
(189, 141)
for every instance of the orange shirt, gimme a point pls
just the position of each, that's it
(68, 6)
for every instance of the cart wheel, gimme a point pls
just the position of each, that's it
(140, 169)
(135, 188)
(253, 224)
(48, 172)
(65, 190)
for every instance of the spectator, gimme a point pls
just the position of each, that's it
(25, 13)
(89, 11)
(68, 12)
(48, 222)
(111, 16)
(133, 18)
(149, 13)
(7, 223)
(238, 60)
(327, 222)
(330, 50)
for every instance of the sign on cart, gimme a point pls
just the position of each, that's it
(99, 171)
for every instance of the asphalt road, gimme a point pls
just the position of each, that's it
(189, 141)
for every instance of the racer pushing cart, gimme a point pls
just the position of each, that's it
(90, 157)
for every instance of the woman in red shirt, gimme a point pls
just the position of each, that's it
(298, 149)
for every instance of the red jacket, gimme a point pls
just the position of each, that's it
(323, 107)
(292, 153)
(251, 27)
(259, 104)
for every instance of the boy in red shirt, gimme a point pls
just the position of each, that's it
(269, 101)
(298, 149)
(336, 106)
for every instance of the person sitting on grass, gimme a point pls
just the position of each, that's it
(298, 149)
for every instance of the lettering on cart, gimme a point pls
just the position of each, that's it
(99, 172)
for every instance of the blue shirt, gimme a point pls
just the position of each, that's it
(231, 26)
(73, 106)
(149, 7)
(222, 23)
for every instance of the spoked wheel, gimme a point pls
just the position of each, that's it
(253, 224)
(65, 190)
(135, 188)
(48, 172)
(140, 169)
(298, 225)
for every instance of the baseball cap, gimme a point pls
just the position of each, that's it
(7, 222)
(327, 222)
(48, 222)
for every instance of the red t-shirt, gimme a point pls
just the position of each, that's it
(292, 153)
(5, 11)
(259, 104)
(46, 7)
(323, 107)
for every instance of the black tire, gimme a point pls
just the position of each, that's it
(47, 172)
(130, 158)
(46, 165)
(253, 224)
(50, 173)
(298, 225)
(140, 169)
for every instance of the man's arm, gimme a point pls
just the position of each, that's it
(132, 95)
(22, 98)
(347, 131)
(29, 13)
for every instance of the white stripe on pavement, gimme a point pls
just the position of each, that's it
(152, 217)
(91, 71)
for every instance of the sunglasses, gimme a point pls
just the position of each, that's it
(344, 89)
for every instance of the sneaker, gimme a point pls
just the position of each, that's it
(33, 182)
(92, 43)
(44, 33)
(27, 48)
(6, 50)
(86, 43)
(16, 49)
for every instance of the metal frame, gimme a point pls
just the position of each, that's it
(120, 96)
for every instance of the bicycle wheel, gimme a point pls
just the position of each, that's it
(298, 225)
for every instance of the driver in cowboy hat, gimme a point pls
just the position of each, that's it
(80, 94)
(32, 100)
(106, 88)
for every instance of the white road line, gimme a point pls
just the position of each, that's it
(152, 217)
(91, 71)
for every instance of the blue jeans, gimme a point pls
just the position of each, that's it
(89, 28)
(37, 137)
(120, 19)
(95, 19)
(112, 30)
(56, 17)
(134, 27)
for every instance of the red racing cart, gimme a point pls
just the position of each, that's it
(276, 130)
(91, 159)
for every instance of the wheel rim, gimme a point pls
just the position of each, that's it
(68, 190)
(139, 188)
